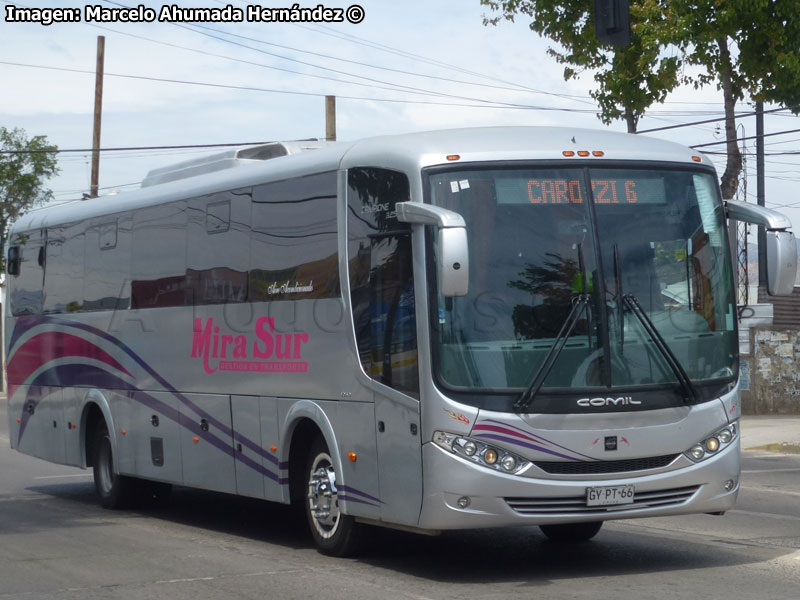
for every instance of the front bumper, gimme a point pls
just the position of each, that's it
(500, 500)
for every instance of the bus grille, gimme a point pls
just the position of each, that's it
(577, 504)
(606, 466)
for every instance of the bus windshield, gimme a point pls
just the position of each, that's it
(642, 250)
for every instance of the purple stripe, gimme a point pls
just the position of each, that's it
(526, 445)
(22, 325)
(73, 376)
(163, 382)
(352, 490)
(538, 436)
(356, 500)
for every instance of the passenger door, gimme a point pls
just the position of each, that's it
(382, 299)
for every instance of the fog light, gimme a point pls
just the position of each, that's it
(509, 462)
(490, 456)
(712, 444)
(463, 502)
(728, 485)
(470, 448)
(697, 452)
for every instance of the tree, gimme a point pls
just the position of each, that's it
(749, 49)
(631, 79)
(25, 165)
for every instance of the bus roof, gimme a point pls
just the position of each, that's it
(409, 153)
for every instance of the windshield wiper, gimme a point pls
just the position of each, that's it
(620, 305)
(690, 393)
(579, 304)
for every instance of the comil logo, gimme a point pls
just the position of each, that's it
(273, 352)
(605, 402)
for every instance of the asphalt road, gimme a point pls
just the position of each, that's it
(57, 543)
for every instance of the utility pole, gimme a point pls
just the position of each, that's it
(330, 118)
(760, 195)
(98, 111)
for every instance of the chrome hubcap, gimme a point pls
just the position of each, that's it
(323, 501)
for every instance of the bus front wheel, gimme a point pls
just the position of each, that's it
(571, 532)
(334, 533)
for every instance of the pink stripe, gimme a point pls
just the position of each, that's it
(507, 431)
(49, 346)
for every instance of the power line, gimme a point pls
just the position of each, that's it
(517, 88)
(372, 80)
(314, 94)
(751, 137)
(738, 116)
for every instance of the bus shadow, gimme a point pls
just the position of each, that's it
(249, 518)
(521, 554)
(525, 555)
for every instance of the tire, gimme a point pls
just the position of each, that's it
(334, 533)
(113, 491)
(571, 532)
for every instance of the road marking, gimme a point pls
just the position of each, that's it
(770, 490)
(5, 440)
(772, 471)
(63, 476)
(763, 514)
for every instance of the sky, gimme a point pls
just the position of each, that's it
(406, 66)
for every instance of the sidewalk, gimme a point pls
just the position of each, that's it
(772, 433)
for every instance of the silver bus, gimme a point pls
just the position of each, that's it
(487, 327)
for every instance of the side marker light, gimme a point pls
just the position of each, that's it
(352, 456)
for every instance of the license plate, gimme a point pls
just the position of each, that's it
(609, 496)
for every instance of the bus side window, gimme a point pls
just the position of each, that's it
(26, 293)
(108, 263)
(294, 240)
(158, 265)
(64, 271)
(381, 278)
(218, 256)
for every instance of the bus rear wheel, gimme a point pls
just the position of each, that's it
(571, 532)
(113, 490)
(334, 533)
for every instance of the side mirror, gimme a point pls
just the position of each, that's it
(453, 251)
(14, 261)
(781, 262)
(781, 245)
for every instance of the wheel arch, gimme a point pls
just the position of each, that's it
(305, 421)
(95, 409)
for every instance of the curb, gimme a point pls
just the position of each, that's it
(781, 447)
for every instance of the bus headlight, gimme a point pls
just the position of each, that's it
(480, 452)
(712, 444)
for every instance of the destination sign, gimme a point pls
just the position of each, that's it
(570, 191)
